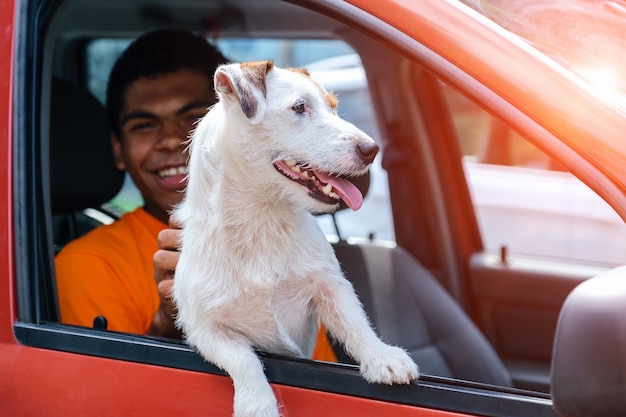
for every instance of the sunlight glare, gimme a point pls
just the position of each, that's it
(603, 79)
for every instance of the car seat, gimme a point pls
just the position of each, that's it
(82, 170)
(408, 307)
(82, 173)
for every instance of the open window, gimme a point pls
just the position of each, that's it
(527, 203)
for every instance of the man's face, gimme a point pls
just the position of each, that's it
(155, 122)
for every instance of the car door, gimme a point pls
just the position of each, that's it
(518, 234)
(51, 368)
(542, 232)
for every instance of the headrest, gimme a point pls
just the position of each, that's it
(588, 372)
(82, 168)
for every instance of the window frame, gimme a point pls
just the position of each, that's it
(429, 392)
(36, 288)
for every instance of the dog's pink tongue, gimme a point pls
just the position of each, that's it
(346, 190)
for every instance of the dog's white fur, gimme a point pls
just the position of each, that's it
(255, 269)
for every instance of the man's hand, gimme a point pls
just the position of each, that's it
(164, 261)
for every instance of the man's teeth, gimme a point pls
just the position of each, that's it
(168, 172)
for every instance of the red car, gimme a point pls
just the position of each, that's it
(530, 85)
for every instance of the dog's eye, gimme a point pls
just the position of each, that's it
(298, 108)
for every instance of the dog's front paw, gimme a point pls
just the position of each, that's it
(260, 404)
(389, 365)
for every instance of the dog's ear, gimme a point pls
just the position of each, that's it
(245, 83)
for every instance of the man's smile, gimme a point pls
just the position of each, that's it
(173, 171)
(173, 177)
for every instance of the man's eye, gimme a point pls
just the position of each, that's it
(141, 126)
(298, 108)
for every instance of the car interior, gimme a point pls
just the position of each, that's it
(431, 291)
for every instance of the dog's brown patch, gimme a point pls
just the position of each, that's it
(254, 73)
(330, 97)
(302, 71)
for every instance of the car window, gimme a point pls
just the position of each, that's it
(336, 66)
(526, 201)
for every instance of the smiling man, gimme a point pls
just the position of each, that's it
(155, 122)
(160, 86)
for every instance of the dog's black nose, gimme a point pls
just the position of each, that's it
(368, 151)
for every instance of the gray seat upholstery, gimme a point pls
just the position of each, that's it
(589, 365)
(409, 308)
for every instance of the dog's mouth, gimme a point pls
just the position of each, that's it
(327, 188)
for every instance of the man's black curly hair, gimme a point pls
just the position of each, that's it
(154, 54)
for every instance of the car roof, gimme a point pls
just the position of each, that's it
(252, 18)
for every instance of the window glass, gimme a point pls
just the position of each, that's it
(528, 202)
(335, 65)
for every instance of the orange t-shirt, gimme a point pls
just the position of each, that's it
(109, 272)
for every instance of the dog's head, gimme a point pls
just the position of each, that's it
(306, 150)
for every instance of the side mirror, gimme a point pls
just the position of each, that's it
(589, 360)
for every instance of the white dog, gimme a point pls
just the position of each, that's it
(255, 269)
